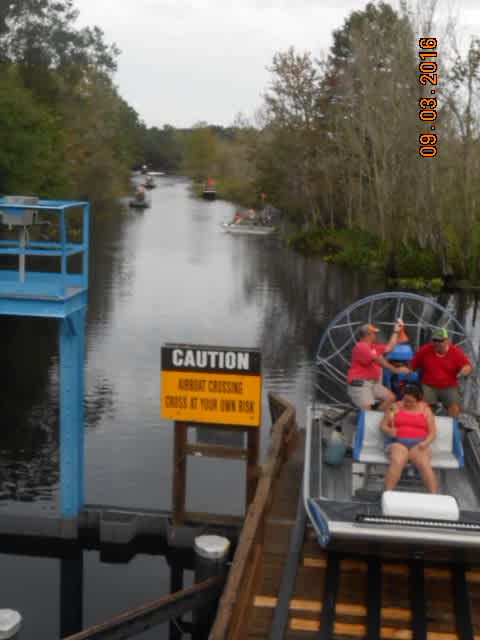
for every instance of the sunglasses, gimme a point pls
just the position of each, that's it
(438, 339)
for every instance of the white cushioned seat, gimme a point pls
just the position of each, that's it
(369, 443)
(420, 505)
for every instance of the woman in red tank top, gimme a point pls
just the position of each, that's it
(409, 427)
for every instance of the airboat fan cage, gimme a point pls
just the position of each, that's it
(420, 315)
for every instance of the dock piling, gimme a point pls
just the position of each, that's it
(10, 623)
(211, 553)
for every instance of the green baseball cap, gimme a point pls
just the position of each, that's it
(439, 334)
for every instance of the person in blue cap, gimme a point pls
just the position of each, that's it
(441, 362)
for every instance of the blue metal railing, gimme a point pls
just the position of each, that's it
(20, 212)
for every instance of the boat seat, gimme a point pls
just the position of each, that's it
(368, 445)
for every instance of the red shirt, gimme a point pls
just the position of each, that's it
(439, 371)
(410, 425)
(363, 365)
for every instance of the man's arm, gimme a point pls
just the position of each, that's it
(465, 366)
(387, 365)
(466, 370)
(393, 338)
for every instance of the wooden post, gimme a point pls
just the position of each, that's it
(253, 447)
(181, 449)
(179, 472)
(176, 584)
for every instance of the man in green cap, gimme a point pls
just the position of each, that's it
(441, 362)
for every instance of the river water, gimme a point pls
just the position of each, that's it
(166, 274)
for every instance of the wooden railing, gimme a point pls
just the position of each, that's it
(231, 614)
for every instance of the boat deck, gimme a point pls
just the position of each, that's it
(336, 483)
(294, 589)
(345, 594)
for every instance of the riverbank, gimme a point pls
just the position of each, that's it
(415, 267)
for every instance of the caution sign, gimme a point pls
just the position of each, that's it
(220, 385)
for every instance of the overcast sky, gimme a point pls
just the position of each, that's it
(185, 61)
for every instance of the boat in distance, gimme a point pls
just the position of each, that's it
(345, 499)
(149, 182)
(140, 199)
(139, 204)
(247, 229)
(209, 190)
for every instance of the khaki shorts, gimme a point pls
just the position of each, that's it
(368, 393)
(447, 396)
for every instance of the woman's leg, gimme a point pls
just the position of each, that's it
(420, 458)
(398, 455)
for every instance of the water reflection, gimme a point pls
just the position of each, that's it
(166, 274)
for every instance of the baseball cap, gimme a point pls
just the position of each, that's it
(439, 334)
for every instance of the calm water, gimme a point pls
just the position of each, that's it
(166, 274)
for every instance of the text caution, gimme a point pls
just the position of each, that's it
(218, 385)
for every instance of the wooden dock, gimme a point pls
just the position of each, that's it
(339, 594)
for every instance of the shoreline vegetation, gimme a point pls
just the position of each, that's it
(334, 145)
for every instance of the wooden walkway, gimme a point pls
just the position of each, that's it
(341, 594)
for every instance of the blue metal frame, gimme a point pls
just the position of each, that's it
(45, 290)
(357, 443)
(456, 444)
(64, 296)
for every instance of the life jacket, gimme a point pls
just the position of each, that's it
(400, 355)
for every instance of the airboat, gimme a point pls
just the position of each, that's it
(250, 229)
(139, 201)
(345, 501)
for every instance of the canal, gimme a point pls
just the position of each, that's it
(164, 274)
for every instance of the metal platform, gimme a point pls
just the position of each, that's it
(38, 292)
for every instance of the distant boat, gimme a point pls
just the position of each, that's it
(149, 182)
(209, 190)
(140, 200)
(247, 229)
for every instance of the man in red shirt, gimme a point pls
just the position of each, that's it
(441, 362)
(364, 374)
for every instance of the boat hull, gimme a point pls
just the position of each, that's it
(134, 204)
(344, 497)
(247, 229)
(344, 513)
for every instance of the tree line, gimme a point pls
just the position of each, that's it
(66, 132)
(336, 148)
(335, 145)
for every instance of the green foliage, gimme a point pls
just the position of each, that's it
(200, 153)
(65, 130)
(435, 285)
(28, 144)
(350, 247)
(163, 148)
(412, 260)
(41, 34)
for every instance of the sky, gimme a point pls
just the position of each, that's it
(189, 61)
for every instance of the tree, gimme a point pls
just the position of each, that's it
(289, 151)
(27, 151)
(41, 34)
(371, 86)
(200, 152)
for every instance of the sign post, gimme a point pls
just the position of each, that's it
(217, 387)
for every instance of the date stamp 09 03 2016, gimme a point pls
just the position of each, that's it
(428, 105)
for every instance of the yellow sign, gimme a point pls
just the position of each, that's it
(211, 384)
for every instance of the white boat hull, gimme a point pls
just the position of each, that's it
(247, 229)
